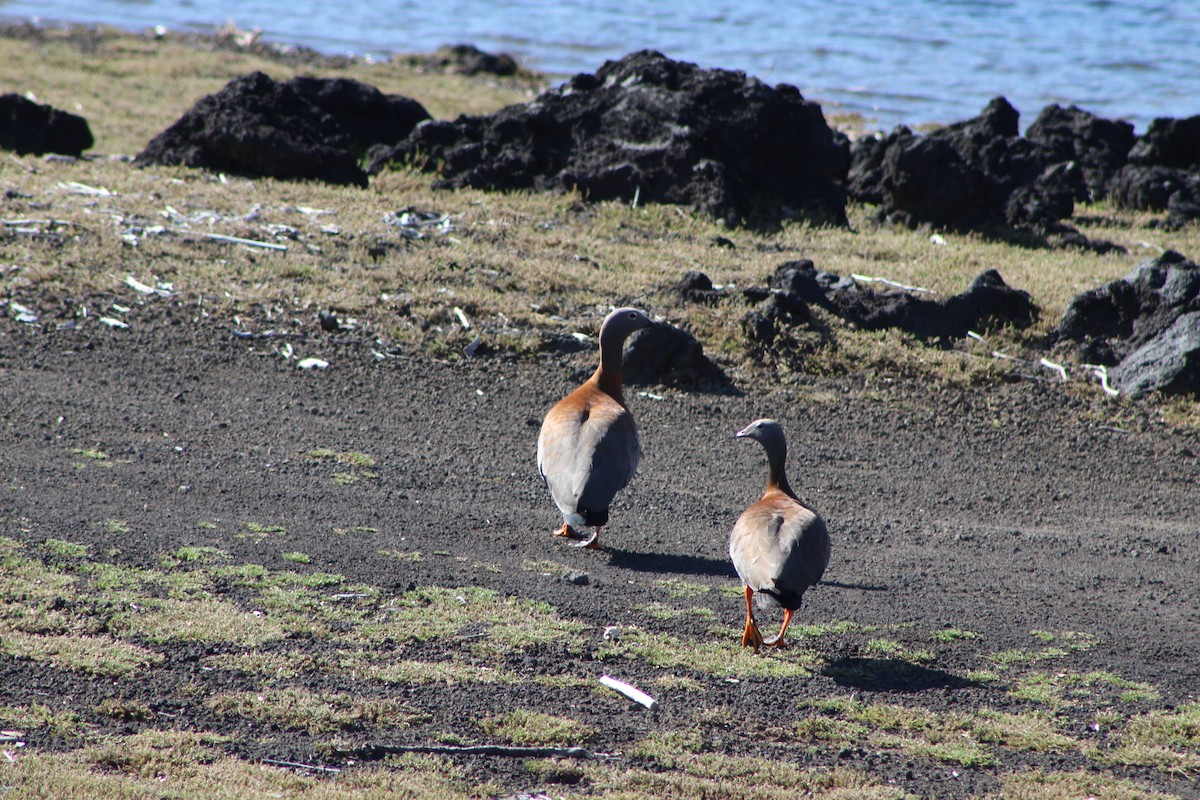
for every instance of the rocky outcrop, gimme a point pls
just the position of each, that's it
(973, 173)
(304, 128)
(647, 128)
(1163, 173)
(29, 128)
(1146, 326)
(987, 302)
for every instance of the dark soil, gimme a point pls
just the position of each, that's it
(999, 509)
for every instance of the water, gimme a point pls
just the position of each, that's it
(926, 61)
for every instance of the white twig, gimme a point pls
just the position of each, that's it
(1048, 364)
(220, 237)
(74, 187)
(1101, 373)
(138, 286)
(869, 279)
(462, 318)
(298, 765)
(632, 692)
(22, 223)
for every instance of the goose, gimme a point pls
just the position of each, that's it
(778, 546)
(588, 447)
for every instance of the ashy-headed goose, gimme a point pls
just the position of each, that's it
(779, 546)
(588, 447)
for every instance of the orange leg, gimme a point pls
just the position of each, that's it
(564, 531)
(777, 641)
(594, 542)
(750, 635)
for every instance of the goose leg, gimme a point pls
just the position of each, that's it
(564, 531)
(592, 543)
(777, 640)
(750, 635)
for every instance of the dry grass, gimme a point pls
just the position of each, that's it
(519, 266)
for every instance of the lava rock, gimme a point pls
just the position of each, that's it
(1168, 363)
(667, 355)
(1169, 142)
(1163, 173)
(987, 301)
(29, 128)
(467, 59)
(1110, 324)
(305, 128)
(696, 287)
(777, 311)
(650, 129)
(980, 173)
(1099, 146)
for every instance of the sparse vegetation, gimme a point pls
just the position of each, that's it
(301, 662)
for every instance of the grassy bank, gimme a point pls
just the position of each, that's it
(511, 262)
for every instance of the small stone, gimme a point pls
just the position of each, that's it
(576, 578)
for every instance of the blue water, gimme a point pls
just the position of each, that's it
(910, 63)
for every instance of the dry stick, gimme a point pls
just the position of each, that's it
(298, 765)
(509, 751)
(220, 237)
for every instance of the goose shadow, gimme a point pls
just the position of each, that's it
(890, 675)
(670, 562)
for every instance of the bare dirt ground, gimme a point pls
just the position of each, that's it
(999, 510)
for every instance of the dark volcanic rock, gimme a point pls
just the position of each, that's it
(963, 176)
(696, 287)
(1136, 324)
(651, 129)
(306, 128)
(981, 173)
(1168, 363)
(668, 355)
(1163, 173)
(31, 128)
(468, 60)
(1169, 143)
(1099, 146)
(988, 301)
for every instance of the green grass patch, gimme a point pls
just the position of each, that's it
(1042, 785)
(258, 529)
(536, 728)
(681, 589)
(685, 765)
(297, 708)
(65, 723)
(296, 557)
(724, 657)
(411, 556)
(952, 635)
(1060, 690)
(64, 549)
(1167, 740)
(891, 649)
(102, 656)
(482, 620)
(115, 526)
(661, 611)
(188, 556)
